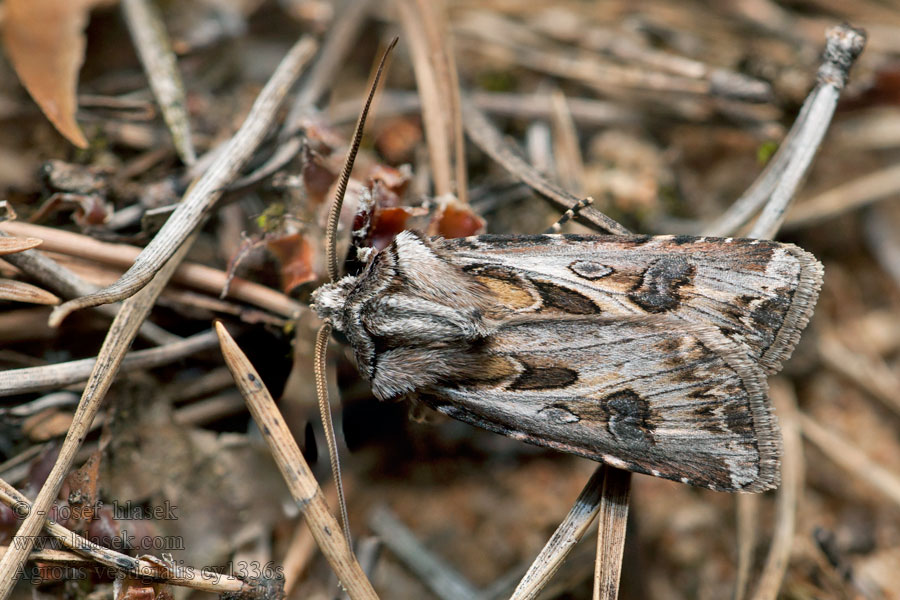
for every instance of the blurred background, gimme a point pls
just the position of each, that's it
(663, 112)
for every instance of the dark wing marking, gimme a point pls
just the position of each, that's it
(648, 394)
(757, 293)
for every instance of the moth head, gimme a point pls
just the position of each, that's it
(330, 300)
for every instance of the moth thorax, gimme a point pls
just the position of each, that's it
(330, 299)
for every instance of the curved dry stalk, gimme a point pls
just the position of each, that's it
(121, 333)
(148, 31)
(491, 141)
(295, 470)
(776, 185)
(189, 274)
(203, 193)
(564, 539)
(207, 581)
(33, 379)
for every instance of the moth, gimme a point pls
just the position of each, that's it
(649, 353)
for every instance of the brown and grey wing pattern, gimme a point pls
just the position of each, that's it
(759, 294)
(647, 394)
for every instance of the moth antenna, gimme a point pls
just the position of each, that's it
(325, 411)
(557, 227)
(335, 213)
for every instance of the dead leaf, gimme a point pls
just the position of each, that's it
(45, 42)
(454, 220)
(295, 254)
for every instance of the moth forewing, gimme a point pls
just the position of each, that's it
(759, 294)
(648, 353)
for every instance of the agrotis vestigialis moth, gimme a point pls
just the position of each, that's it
(649, 353)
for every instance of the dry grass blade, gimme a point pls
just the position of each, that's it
(192, 275)
(850, 458)
(433, 82)
(189, 577)
(152, 43)
(563, 540)
(297, 474)
(611, 533)
(206, 190)
(788, 494)
(491, 141)
(444, 582)
(18, 291)
(118, 339)
(32, 379)
(11, 245)
(569, 162)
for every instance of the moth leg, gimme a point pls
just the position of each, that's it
(555, 228)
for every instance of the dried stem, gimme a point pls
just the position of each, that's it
(611, 533)
(295, 470)
(776, 185)
(155, 51)
(564, 539)
(430, 87)
(189, 274)
(64, 282)
(33, 379)
(491, 141)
